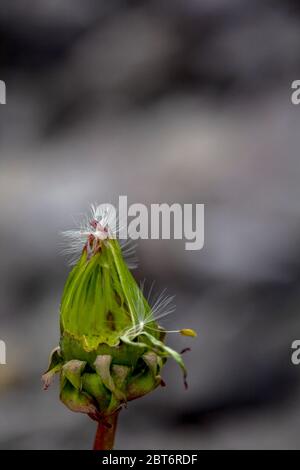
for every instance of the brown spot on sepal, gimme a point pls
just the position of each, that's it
(111, 321)
(118, 299)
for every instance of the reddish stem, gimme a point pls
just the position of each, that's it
(105, 435)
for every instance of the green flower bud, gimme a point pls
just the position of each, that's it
(111, 349)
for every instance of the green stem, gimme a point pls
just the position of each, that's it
(105, 435)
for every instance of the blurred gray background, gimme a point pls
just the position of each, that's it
(163, 101)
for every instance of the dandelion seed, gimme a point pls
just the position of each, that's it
(100, 225)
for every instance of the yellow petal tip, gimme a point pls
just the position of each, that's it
(188, 332)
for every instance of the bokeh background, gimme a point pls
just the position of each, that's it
(163, 101)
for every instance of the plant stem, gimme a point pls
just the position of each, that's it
(105, 435)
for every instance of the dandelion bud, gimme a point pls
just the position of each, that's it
(112, 349)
